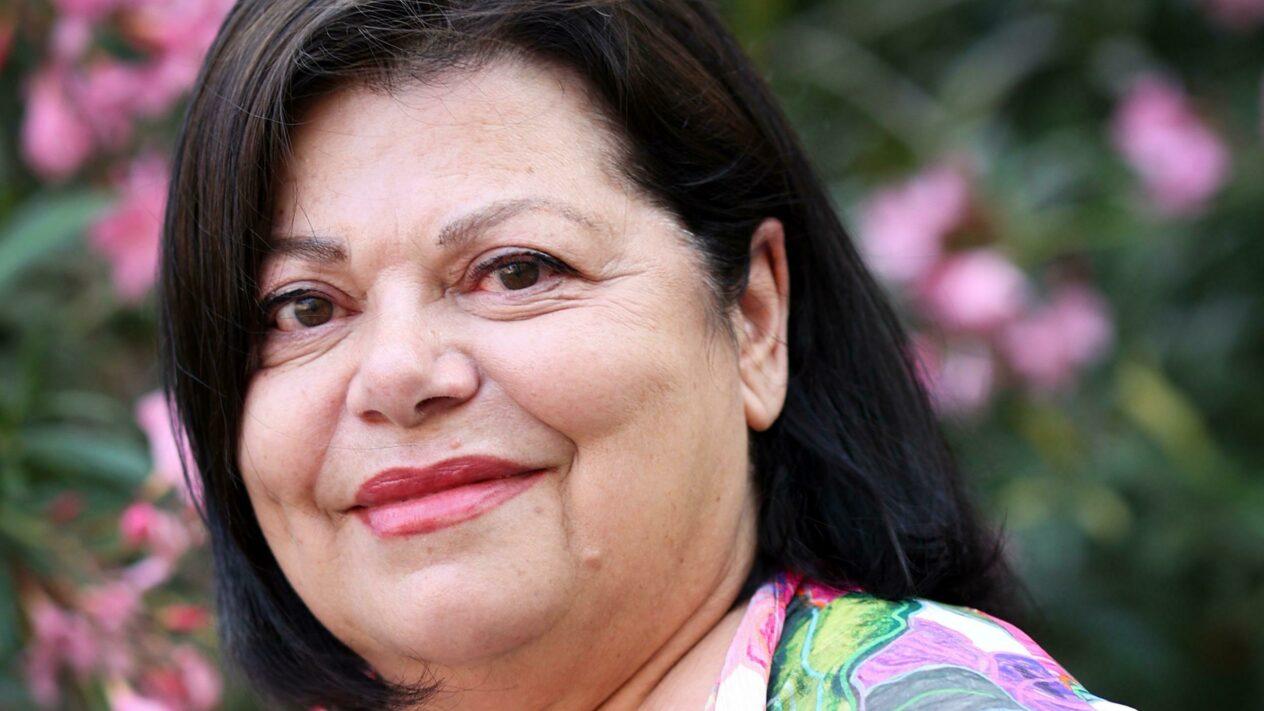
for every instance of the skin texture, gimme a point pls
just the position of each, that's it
(611, 582)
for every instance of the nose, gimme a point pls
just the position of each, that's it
(408, 373)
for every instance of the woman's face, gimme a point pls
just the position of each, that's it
(479, 282)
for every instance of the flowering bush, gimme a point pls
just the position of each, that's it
(86, 100)
(1180, 160)
(978, 309)
(98, 530)
(1063, 199)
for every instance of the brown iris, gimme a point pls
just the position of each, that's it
(312, 311)
(519, 275)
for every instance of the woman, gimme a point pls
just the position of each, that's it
(478, 317)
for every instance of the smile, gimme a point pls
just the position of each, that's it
(406, 501)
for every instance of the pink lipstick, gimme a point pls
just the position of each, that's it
(406, 500)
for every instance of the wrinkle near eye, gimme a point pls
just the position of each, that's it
(298, 351)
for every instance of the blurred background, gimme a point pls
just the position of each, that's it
(1065, 197)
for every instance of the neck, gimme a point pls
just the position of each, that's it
(682, 671)
(592, 673)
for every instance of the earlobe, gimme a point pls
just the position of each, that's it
(764, 312)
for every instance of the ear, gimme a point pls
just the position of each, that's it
(762, 320)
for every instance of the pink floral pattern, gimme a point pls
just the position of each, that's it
(803, 644)
(746, 666)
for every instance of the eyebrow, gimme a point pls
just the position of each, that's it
(327, 250)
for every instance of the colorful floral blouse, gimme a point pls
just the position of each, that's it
(802, 645)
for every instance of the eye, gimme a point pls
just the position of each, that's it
(297, 310)
(518, 271)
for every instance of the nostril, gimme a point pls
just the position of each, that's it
(434, 405)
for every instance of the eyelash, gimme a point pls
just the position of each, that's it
(271, 304)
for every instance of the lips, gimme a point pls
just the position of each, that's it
(407, 500)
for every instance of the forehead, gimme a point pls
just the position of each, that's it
(511, 129)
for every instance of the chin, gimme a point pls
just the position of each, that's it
(470, 609)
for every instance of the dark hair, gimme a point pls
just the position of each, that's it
(856, 484)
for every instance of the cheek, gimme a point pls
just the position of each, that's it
(596, 371)
(652, 408)
(287, 422)
(289, 417)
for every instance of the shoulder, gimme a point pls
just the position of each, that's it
(838, 649)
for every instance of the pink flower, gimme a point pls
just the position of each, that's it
(1181, 162)
(123, 698)
(48, 621)
(149, 572)
(88, 9)
(136, 702)
(176, 26)
(154, 417)
(959, 378)
(137, 521)
(68, 632)
(184, 618)
(40, 665)
(112, 93)
(143, 524)
(1236, 14)
(189, 684)
(975, 291)
(167, 78)
(165, 447)
(56, 138)
(72, 114)
(169, 538)
(902, 228)
(1050, 345)
(58, 637)
(201, 682)
(112, 605)
(118, 659)
(70, 38)
(128, 234)
(178, 33)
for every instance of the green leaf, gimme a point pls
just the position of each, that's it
(13, 695)
(1168, 417)
(85, 405)
(111, 460)
(981, 77)
(27, 537)
(8, 612)
(43, 226)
